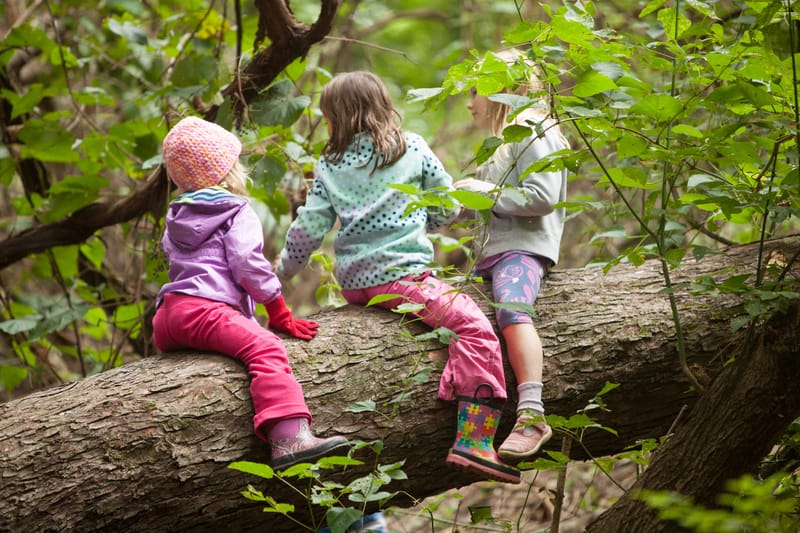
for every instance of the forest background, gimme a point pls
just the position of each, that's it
(682, 118)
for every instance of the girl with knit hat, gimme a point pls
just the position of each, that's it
(521, 239)
(382, 248)
(217, 274)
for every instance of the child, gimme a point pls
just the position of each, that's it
(520, 243)
(380, 249)
(213, 241)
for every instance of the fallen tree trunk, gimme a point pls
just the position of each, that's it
(146, 446)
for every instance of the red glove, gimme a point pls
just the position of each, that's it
(281, 319)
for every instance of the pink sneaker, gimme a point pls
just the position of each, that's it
(527, 438)
(303, 448)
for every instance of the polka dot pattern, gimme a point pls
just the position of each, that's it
(377, 241)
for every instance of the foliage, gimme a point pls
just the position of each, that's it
(747, 504)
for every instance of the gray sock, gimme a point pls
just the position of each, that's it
(530, 397)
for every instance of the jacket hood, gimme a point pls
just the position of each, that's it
(193, 217)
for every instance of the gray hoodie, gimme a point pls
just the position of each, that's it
(524, 217)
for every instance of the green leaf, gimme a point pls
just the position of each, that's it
(127, 30)
(12, 376)
(194, 70)
(420, 95)
(632, 177)
(488, 147)
(592, 83)
(47, 141)
(330, 461)
(651, 7)
(660, 107)
(480, 514)
(340, 519)
(630, 146)
(365, 406)
(409, 308)
(472, 200)
(445, 336)
(518, 307)
(675, 23)
(256, 469)
(277, 106)
(407, 188)
(20, 325)
(380, 298)
(66, 258)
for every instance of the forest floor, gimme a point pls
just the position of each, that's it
(524, 508)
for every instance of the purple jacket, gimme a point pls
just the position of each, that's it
(213, 241)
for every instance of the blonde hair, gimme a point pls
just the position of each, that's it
(236, 179)
(530, 86)
(358, 102)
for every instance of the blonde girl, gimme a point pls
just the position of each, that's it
(217, 273)
(521, 240)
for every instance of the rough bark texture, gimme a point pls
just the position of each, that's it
(730, 429)
(145, 447)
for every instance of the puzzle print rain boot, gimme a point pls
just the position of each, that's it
(473, 448)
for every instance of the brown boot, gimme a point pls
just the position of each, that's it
(304, 447)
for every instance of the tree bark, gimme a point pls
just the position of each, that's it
(146, 446)
(726, 434)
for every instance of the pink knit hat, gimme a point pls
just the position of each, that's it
(199, 153)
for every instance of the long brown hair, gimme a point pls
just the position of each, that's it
(358, 102)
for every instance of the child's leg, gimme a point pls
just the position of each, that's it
(473, 374)
(200, 324)
(517, 279)
(475, 358)
(281, 414)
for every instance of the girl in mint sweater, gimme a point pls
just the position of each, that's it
(382, 247)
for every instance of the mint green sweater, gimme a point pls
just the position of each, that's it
(377, 241)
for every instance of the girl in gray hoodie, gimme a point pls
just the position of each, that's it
(521, 240)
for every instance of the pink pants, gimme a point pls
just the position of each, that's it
(474, 358)
(187, 322)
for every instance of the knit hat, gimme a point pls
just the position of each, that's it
(198, 153)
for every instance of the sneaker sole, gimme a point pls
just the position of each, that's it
(492, 473)
(308, 456)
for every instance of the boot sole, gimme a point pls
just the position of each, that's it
(308, 456)
(492, 472)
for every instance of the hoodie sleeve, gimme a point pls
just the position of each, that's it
(314, 220)
(244, 249)
(537, 192)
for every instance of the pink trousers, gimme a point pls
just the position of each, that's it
(475, 358)
(187, 322)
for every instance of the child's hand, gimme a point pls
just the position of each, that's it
(300, 328)
(471, 184)
(281, 319)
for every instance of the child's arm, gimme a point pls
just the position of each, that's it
(541, 191)
(434, 175)
(306, 233)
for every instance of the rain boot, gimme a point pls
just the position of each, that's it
(303, 447)
(473, 449)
